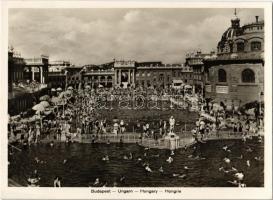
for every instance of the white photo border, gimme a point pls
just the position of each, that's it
(187, 192)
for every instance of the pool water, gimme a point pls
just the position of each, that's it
(84, 164)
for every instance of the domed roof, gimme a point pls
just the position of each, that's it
(230, 33)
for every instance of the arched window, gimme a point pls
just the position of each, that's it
(248, 76)
(256, 46)
(240, 46)
(222, 75)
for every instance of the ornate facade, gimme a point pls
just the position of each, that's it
(126, 74)
(236, 75)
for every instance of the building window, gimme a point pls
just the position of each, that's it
(143, 83)
(256, 46)
(148, 83)
(248, 76)
(161, 77)
(240, 46)
(222, 75)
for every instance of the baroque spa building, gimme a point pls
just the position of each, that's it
(124, 74)
(236, 74)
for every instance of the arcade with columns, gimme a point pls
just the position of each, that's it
(124, 73)
(37, 69)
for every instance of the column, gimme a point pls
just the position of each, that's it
(33, 72)
(30, 73)
(133, 77)
(116, 77)
(119, 77)
(129, 76)
(99, 79)
(41, 74)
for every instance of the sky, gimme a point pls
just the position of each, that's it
(98, 35)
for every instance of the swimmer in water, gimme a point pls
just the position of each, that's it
(108, 142)
(260, 139)
(222, 169)
(225, 148)
(122, 178)
(130, 156)
(125, 157)
(233, 169)
(241, 157)
(145, 154)
(239, 176)
(249, 149)
(172, 153)
(161, 169)
(97, 182)
(64, 161)
(237, 183)
(233, 182)
(139, 159)
(248, 163)
(187, 168)
(105, 184)
(51, 144)
(169, 160)
(105, 158)
(148, 169)
(258, 158)
(115, 184)
(179, 175)
(226, 160)
(244, 139)
(37, 160)
(175, 175)
(34, 179)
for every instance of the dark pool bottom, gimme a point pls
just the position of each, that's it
(84, 164)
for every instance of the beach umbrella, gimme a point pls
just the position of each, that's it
(61, 95)
(70, 88)
(53, 90)
(35, 117)
(44, 98)
(38, 107)
(44, 103)
(68, 94)
(48, 112)
(59, 89)
(87, 87)
(55, 100)
(188, 86)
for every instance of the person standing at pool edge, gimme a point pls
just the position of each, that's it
(57, 182)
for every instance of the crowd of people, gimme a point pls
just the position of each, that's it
(80, 115)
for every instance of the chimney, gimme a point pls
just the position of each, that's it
(257, 19)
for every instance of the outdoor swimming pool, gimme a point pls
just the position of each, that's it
(84, 164)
